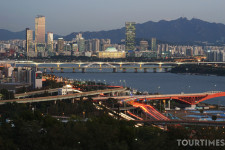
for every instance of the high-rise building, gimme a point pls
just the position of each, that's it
(81, 42)
(60, 45)
(130, 35)
(154, 46)
(81, 45)
(144, 45)
(95, 45)
(40, 29)
(29, 40)
(50, 41)
(40, 34)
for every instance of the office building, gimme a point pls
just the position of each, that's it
(154, 46)
(29, 40)
(130, 35)
(40, 29)
(50, 41)
(60, 45)
(143, 45)
(81, 45)
(95, 45)
(40, 34)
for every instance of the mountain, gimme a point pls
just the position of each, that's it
(179, 30)
(8, 35)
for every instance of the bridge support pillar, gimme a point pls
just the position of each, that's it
(51, 70)
(169, 104)
(124, 70)
(135, 70)
(54, 102)
(114, 70)
(145, 70)
(73, 70)
(154, 70)
(61, 70)
(72, 100)
(166, 69)
(83, 70)
(165, 127)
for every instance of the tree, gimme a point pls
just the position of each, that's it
(201, 111)
(214, 117)
(6, 94)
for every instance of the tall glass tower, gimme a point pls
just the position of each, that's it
(39, 33)
(29, 40)
(130, 35)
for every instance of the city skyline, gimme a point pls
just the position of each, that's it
(98, 15)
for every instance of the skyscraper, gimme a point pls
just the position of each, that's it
(40, 34)
(130, 35)
(81, 45)
(40, 29)
(29, 40)
(60, 45)
(50, 41)
(144, 45)
(95, 45)
(154, 46)
(81, 42)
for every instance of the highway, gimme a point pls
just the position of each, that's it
(27, 94)
(62, 97)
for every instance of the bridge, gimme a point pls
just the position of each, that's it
(108, 63)
(62, 97)
(115, 66)
(182, 122)
(189, 98)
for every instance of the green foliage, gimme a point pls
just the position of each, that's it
(200, 69)
(214, 117)
(6, 94)
(29, 129)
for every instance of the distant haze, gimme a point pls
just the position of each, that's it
(66, 16)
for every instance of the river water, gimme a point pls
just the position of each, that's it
(162, 82)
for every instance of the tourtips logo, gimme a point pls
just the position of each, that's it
(200, 142)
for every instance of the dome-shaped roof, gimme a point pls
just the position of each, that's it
(111, 49)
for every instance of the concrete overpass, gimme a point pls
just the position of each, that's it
(28, 94)
(62, 97)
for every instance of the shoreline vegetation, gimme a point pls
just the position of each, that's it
(199, 69)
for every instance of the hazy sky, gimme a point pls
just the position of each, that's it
(66, 16)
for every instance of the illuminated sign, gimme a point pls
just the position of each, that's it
(38, 75)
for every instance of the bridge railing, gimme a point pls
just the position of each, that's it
(212, 92)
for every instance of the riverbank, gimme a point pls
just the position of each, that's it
(200, 69)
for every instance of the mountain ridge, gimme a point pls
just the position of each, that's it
(178, 30)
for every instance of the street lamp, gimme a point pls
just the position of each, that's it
(125, 83)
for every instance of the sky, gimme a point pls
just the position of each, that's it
(66, 16)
